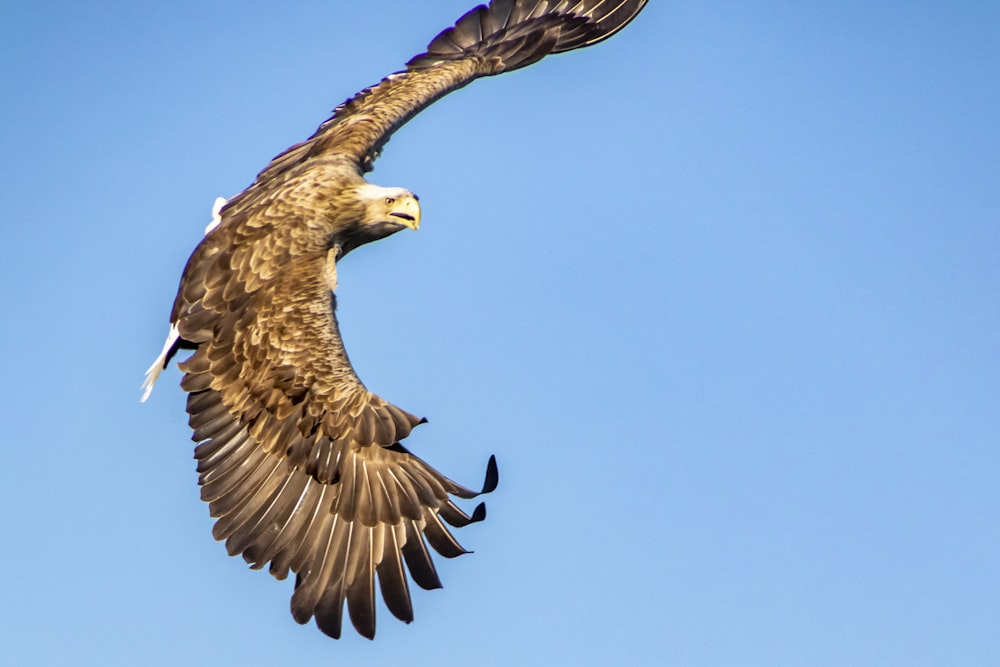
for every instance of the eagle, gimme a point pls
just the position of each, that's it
(302, 466)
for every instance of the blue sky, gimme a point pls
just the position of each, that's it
(721, 294)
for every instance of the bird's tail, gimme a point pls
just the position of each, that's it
(153, 372)
(518, 33)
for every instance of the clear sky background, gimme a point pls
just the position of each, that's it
(721, 294)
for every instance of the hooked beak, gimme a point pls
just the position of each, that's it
(407, 211)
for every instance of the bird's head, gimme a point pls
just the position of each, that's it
(378, 212)
(389, 209)
(383, 212)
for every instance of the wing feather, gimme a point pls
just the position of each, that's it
(359, 576)
(418, 559)
(254, 534)
(392, 577)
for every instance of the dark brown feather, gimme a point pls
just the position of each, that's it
(392, 578)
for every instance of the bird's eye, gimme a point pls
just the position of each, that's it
(390, 201)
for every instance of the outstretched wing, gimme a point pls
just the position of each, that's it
(505, 36)
(301, 464)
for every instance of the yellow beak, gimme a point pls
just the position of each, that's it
(407, 211)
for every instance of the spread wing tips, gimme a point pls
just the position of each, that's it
(492, 476)
(610, 16)
(459, 519)
(489, 484)
(379, 514)
(443, 541)
(521, 32)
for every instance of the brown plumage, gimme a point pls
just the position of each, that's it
(299, 462)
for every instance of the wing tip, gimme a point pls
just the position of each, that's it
(519, 34)
(492, 477)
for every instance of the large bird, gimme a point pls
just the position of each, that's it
(299, 462)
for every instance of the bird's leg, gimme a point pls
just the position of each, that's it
(330, 272)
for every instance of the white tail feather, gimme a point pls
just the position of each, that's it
(216, 218)
(161, 361)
